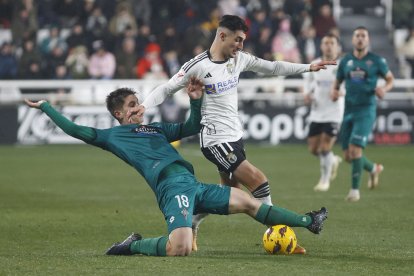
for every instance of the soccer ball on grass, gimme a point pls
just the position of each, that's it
(279, 239)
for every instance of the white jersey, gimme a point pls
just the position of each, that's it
(320, 84)
(219, 110)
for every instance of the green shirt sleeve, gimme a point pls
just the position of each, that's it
(86, 134)
(383, 67)
(192, 126)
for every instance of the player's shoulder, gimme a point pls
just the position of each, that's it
(198, 59)
(245, 55)
(376, 57)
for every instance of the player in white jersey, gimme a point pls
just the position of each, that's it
(221, 135)
(326, 115)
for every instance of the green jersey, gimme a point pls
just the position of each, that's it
(145, 147)
(361, 76)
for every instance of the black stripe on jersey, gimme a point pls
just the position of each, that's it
(187, 67)
(188, 63)
(202, 138)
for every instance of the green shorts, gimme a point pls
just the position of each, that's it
(180, 196)
(356, 127)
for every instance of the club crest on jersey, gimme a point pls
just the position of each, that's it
(230, 68)
(184, 212)
(231, 157)
(210, 88)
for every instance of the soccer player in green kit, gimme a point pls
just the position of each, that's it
(179, 195)
(360, 70)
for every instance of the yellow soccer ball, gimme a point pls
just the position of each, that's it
(279, 239)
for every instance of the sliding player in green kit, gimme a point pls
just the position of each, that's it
(360, 70)
(179, 195)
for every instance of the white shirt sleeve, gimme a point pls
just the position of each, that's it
(279, 68)
(160, 93)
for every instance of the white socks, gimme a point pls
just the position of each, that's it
(327, 160)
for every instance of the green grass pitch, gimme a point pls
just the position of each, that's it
(61, 207)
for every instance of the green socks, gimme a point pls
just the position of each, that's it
(357, 166)
(150, 247)
(272, 215)
(368, 165)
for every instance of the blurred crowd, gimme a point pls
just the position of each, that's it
(144, 39)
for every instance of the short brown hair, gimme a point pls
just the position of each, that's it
(115, 99)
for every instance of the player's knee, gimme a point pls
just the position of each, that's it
(181, 249)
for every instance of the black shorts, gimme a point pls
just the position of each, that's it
(226, 156)
(330, 128)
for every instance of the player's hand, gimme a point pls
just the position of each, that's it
(140, 110)
(34, 104)
(307, 98)
(335, 94)
(380, 92)
(314, 67)
(195, 88)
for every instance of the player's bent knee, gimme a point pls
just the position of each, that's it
(180, 249)
(241, 202)
(180, 242)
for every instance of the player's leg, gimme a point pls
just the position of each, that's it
(314, 136)
(241, 202)
(329, 161)
(176, 198)
(254, 180)
(198, 218)
(228, 157)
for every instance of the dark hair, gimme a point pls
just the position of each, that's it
(360, 28)
(115, 99)
(233, 23)
(331, 35)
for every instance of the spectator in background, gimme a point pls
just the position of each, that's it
(407, 50)
(212, 23)
(284, 44)
(151, 65)
(168, 39)
(55, 58)
(96, 25)
(77, 37)
(102, 63)
(171, 62)
(259, 21)
(68, 11)
(52, 41)
(126, 60)
(144, 37)
(45, 13)
(29, 56)
(24, 24)
(324, 21)
(309, 45)
(8, 62)
(6, 12)
(34, 71)
(142, 10)
(122, 19)
(263, 47)
(61, 72)
(77, 62)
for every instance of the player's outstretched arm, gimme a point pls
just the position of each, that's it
(195, 91)
(314, 67)
(83, 133)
